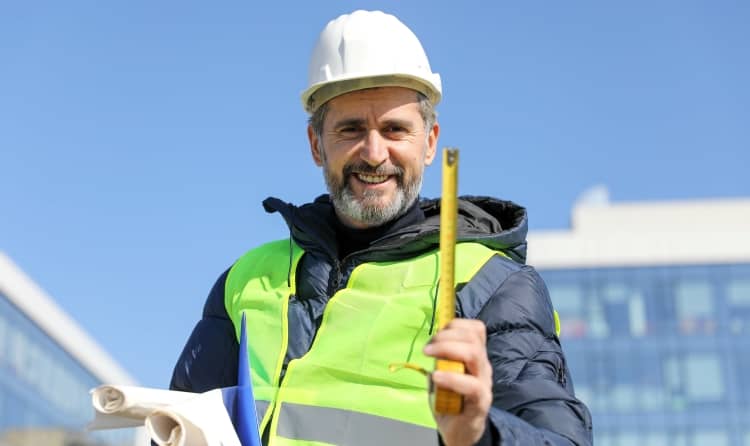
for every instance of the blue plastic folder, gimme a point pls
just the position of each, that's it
(239, 401)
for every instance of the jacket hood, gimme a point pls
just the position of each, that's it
(497, 224)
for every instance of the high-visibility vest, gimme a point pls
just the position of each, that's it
(341, 391)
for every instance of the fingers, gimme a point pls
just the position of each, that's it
(472, 355)
(463, 329)
(462, 340)
(473, 389)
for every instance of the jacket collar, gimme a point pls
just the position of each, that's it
(497, 224)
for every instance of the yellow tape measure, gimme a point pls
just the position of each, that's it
(446, 401)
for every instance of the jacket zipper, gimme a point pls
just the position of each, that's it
(334, 282)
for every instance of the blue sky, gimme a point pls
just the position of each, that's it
(137, 139)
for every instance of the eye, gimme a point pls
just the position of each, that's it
(350, 130)
(395, 131)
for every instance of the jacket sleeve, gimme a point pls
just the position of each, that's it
(533, 397)
(209, 359)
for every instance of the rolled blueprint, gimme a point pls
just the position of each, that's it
(183, 418)
(201, 421)
(128, 406)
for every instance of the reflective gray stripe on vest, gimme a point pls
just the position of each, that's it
(260, 409)
(347, 428)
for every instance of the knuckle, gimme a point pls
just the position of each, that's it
(480, 352)
(480, 329)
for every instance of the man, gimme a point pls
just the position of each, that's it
(353, 288)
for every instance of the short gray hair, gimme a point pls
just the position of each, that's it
(426, 109)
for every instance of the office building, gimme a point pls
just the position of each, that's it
(654, 300)
(47, 366)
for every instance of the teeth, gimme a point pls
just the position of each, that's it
(373, 179)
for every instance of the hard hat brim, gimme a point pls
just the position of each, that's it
(322, 92)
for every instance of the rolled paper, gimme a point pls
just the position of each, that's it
(201, 421)
(128, 406)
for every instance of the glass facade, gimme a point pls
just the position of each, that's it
(659, 354)
(44, 395)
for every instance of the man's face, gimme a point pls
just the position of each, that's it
(373, 151)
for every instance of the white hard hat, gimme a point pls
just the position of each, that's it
(367, 49)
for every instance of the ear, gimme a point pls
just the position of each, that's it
(314, 146)
(432, 140)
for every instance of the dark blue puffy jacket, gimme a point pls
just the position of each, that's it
(534, 402)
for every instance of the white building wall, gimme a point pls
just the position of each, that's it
(647, 234)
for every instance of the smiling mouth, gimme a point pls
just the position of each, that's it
(371, 179)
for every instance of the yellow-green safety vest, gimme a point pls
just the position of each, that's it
(341, 391)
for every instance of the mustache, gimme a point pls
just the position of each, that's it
(367, 169)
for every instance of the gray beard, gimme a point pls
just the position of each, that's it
(368, 210)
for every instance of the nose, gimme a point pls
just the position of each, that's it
(374, 149)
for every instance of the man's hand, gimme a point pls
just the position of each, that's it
(463, 340)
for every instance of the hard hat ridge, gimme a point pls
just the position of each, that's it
(367, 49)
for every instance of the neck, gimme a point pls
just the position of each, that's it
(352, 238)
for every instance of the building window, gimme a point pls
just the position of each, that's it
(624, 310)
(656, 439)
(703, 378)
(649, 384)
(624, 390)
(738, 300)
(695, 307)
(568, 302)
(601, 373)
(598, 326)
(629, 439)
(604, 439)
(695, 379)
(679, 439)
(659, 343)
(3, 339)
(41, 385)
(741, 362)
(713, 438)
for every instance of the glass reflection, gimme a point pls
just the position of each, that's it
(659, 353)
(43, 391)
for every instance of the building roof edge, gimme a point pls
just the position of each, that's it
(41, 309)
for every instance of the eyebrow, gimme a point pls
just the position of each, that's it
(359, 122)
(349, 122)
(398, 123)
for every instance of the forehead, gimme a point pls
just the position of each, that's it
(375, 103)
